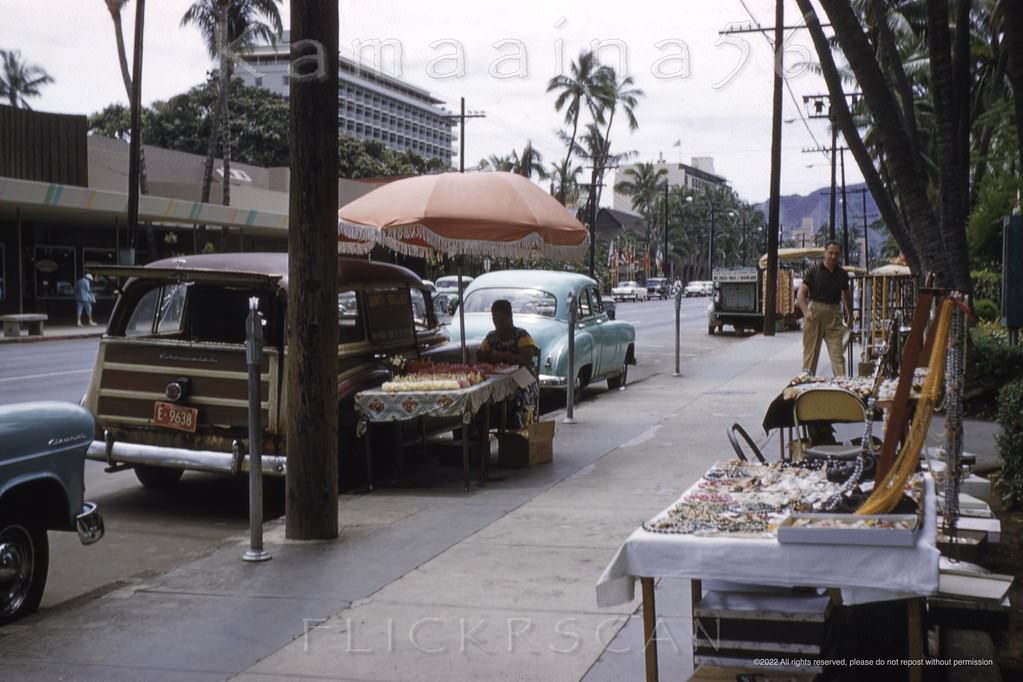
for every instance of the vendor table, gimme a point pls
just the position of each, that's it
(863, 573)
(383, 406)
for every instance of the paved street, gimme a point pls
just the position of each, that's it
(425, 581)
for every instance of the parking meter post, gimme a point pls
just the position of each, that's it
(678, 332)
(570, 381)
(253, 356)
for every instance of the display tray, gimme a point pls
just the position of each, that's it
(898, 530)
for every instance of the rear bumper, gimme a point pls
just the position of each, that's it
(551, 381)
(178, 458)
(89, 524)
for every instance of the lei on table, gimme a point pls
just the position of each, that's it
(422, 375)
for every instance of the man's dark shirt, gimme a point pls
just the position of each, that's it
(825, 285)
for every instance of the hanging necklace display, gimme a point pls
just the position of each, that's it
(954, 370)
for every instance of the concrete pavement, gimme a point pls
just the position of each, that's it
(427, 582)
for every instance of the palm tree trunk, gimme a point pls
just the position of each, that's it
(122, 57)
(906, 167)
(568, 155)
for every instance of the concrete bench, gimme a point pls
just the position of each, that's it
(33, 322)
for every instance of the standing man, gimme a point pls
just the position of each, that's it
(84, 298)
(824, 287)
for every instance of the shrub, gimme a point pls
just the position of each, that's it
(987, 284)
(992, 364)
(986, 309)
(1010, 442)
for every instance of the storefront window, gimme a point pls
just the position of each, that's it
(91, 257)
(55, 271)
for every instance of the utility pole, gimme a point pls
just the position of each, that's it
(774, 202)
(461, 116)
(664, 267)
(863, 191)
(845, 212)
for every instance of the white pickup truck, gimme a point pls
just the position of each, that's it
(630, 291)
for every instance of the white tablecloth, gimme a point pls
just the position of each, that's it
(865, 573)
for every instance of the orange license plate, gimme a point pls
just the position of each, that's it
(175, 416)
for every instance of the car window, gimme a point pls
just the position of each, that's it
(350, 326)
(159, 311)
(524, 301)
(585, 305)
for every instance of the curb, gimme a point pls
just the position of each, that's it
(53, 337)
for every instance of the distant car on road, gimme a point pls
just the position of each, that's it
(42, 473)
(603, 348)
(629, 291)
(698, 288)
(658, 286)
(447, 289)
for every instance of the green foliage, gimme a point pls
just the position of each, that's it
(114, 121)
(371, 159)
(986, 310)
(259, 123)
(987, 284)
(1010, 442)
(993, 364)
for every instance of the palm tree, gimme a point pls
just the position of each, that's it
(115, 7)
(614, 93)
(19, 80)
(530, 161)
(228, 26)
(502, 163)
(565, 180)
(645, 184)
(579, 89)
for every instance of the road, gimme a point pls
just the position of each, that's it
(150, 532)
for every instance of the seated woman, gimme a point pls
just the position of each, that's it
(514, 346)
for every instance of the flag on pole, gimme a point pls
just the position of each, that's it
(646, 261)
(660, 259)
(678, 143)
(612, 254)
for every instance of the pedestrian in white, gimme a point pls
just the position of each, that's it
(84, 298)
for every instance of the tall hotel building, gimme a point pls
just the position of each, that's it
(371, 104)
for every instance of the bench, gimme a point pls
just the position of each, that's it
(33, 322)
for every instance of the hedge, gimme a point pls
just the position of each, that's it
(1010, 442)
(992, 364)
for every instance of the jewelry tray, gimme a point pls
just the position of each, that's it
(836, 534)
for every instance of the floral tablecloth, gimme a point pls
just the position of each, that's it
(380, 406)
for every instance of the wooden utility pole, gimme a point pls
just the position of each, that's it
(311, 502)
(774, 201)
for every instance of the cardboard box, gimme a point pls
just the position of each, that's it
(526, 447)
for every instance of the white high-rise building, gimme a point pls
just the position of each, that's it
(371, 105)
(698, 177)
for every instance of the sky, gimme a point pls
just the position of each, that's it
(706, 94)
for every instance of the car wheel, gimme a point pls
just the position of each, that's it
(24, 562)
(618, 381)
(157, 478)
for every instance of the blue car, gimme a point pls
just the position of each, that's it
(604, 348)
(42, 471)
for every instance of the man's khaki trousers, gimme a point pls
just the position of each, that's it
(826, 326)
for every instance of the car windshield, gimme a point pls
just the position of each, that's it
(629, 284)
(523, 301)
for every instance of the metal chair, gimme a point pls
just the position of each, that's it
(829, 406)
(734, 432)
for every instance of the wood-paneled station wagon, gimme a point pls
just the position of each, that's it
(170, 386)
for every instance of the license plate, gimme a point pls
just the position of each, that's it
(175, 416)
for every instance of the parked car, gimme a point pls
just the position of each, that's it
(447, 289)
(698, 288)
(658, 286)
(169, 389)
(42, 474)
(603, 348)
(629, 291)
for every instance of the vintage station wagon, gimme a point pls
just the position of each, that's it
(170, 386)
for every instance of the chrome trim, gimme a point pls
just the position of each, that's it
(180, 458)
(89, 524)
(551, 381)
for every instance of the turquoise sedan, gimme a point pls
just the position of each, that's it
(604, 348)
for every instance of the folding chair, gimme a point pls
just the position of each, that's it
(827, 406)
(734, 432)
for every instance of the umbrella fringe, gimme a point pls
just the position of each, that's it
(361, 239)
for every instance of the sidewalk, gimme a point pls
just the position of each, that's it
(427, 582)
(58, 332)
